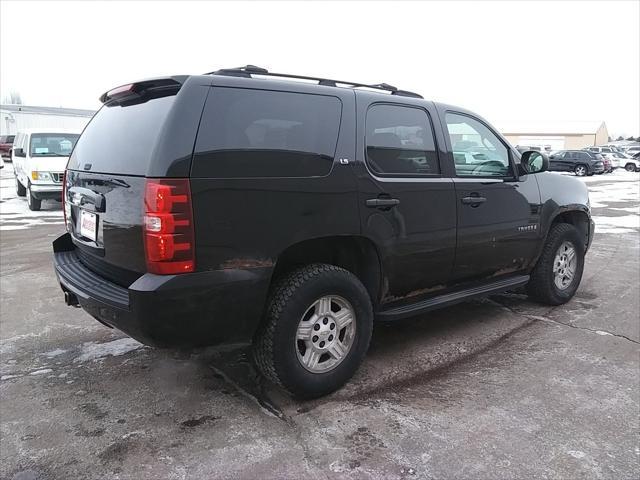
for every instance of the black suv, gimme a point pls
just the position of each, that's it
(580, 162)
(244, 206)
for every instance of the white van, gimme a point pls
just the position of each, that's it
(39, 158)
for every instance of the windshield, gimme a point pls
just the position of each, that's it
(52, 144)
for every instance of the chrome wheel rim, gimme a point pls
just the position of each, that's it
(564, 266)
(580, 171)
(325, 334)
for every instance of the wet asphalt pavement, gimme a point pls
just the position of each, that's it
(499, 388)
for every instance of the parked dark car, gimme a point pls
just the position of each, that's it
(581, 162)
(6, 143)
(292, 215)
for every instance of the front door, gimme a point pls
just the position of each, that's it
(407, 206)
(497, 211)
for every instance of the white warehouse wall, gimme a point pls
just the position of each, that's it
(13, 122)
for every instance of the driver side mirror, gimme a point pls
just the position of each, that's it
(19, 152)
(532, 161)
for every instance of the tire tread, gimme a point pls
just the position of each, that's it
(282, 292)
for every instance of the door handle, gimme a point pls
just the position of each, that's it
(474, 201)
(382, 202)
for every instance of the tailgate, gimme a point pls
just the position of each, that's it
(104, 217)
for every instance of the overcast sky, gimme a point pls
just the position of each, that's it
(504, 60)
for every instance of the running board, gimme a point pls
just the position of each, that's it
(447, 299)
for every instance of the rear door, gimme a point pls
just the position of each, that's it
(407, 203)
(497, 211)
(557, 162)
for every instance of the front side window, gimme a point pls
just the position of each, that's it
(399, 141)
(261, 133)
(52, 144)
(477, 151)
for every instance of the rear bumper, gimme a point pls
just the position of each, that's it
(205, 308)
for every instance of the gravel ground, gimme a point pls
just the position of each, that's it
(499, 388)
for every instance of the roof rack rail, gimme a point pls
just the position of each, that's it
(248, 70)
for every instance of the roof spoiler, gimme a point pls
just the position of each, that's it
(248, 70)
(143, 90)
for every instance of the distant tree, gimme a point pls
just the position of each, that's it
(631, 138)
(610, 139)
(13, 98)
(619, 138)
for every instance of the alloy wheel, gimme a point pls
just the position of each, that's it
(325, 334)
(564, 266)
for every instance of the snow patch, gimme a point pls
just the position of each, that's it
(41, 372)
(54, 353)
(623, 224)
(602, 332)
(15, 213)
(94, 351)
(577, 454)
(8, 377)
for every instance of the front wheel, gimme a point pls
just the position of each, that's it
(33, 203)
(20, 190)
(630, 167)
(557, 274)
(316, 330)
(580, 170)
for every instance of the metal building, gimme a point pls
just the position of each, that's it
(14, 118)
(555, 135)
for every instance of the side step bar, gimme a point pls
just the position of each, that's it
(404, 311)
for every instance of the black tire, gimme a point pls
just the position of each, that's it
(20, 190)
(33, 203)
(630, 167)
(581, 170)
(541, 286)
(275, 350)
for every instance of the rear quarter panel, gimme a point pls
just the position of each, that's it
(245, 223)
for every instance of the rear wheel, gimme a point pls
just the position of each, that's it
(630, 167)
(580, 170)
(33, 203)
(316, 332)
(557, 274)
(20, 190)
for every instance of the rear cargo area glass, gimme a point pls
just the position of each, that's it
(121, 139)
(262, 133)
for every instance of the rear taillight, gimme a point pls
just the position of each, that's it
(168, 226)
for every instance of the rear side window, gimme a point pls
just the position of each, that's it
(400, 141)
(261, 133)
(121, 139)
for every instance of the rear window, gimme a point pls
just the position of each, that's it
(7, 139)
(260, 133)
(121, 139)
(400, 141)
